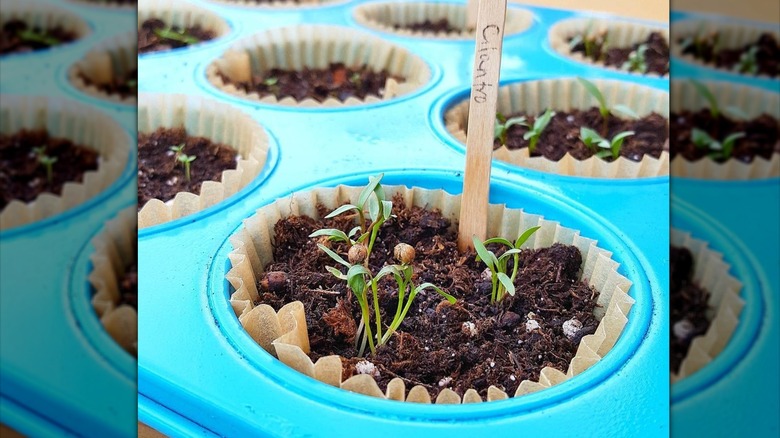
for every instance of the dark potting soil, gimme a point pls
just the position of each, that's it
(767, 54)
(471, 343)
(428, 26)
(656, 55)
(124, 86)
(128, 286)
(337, 81)
(762, 135)
(22, 175)
(18, 37)
(155, 35)
(688, 306)
(161, 176)
(562, 135)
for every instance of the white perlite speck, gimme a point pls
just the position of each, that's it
(445, 381)
(682, 329)
(469, 328)
(531, 325)
(571, 328)
(366, 367)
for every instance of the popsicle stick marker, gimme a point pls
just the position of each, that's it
(482, 118)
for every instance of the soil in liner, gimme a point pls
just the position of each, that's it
(123, 86)
(688, 306)
(656, 55)
(23, 176)
(161, 176)
(767, 54)
(562, 135)
(18, 37)
(762, 135)
(155, 35)
(428, 26)
(337, 81)
(470, 344)
(128, 286)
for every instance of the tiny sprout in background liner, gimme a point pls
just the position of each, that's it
(375, 295)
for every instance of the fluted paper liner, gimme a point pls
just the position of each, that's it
(111, 59)
(385, 16)
(115, 249)
(753, 102)
(711, 273)
(284, 333)
(279, 3)
(182, 14)
(565, 94)
(82, 125)
(216, 121)
(105, 4)
(293, 48)
(44, 16)
(619, 34)
(730, 36)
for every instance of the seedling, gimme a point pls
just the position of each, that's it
(502, 284)
(359, 277)
(719, 150)
(355, 79)
(186, 160)
(178, 151)
(41, 37)
(176, 35)
(271, 81)
(589, 41)
(636, 60)
(535, 131)
(715, 111)
(747, 61)
(46, 161)
(503, 124)
(605, 110)
(594, 141)
(700, 40)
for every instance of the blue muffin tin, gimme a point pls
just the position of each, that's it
(199, 373)
(738, 390)
(61, 372)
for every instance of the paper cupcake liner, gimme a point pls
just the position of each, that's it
(218, 122)
(385, 16)
(182, 14)
(731, 36)
(753, 102)
(115, 248)
(113, 58)
(82, 125)
(712, 274)
(284, 333)
(316, 47)
(44, 16)
(565, 94)
(619, 34)
(106, 4)
(279, 3)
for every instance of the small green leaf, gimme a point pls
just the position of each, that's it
(593, 90)
(700, 138)
(424, 286)
(708, 96)
(508, 253)
(373, 209)
(335, 235)
(525, 236)
(625, 110)
(736, 112)
(336, 273)
(507, 283)
(483, 254)
(366, 192)
(500, 240)
(333, 255)
(356, 279)
(387, 209)
(353, 232)
(603, 154)
(515, 121)
(590, 137)
(387, 270)
(341, 209)
(575, 41)
(543, 120)
(271, 81)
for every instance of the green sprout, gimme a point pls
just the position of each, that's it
(502, 284)
(41, 37)
(593, 140)
(177, 151)
(176, 35)
(589, 40)
(715, 111)
(604, 109)
(185, 160)
(636, 60)
(271, 81)
(747, 61)
(501, 128)
(355, 79)
(46, 161)
(535, 131)
(360, 280)
(719, 150)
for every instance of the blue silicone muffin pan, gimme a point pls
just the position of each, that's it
(200, 374)
(738, 390)
(61, 372)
